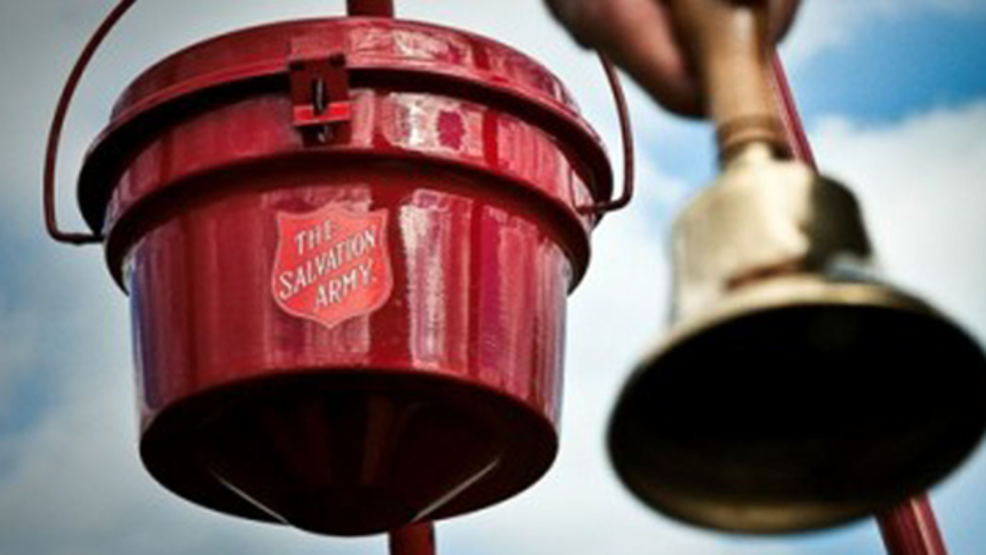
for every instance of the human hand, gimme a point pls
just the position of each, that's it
(640, 36)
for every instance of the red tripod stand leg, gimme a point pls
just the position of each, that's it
(911, 529)
(416, 539)
(374, 8)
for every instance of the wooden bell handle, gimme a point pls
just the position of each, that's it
(729, 44)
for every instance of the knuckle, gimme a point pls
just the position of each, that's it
(582, 17)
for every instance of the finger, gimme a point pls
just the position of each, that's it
(637, 35)
(782, 14)
(640, 36)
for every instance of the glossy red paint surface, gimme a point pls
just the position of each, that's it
(912, 529)
(378, 8)
(440, 399)
(417, 539)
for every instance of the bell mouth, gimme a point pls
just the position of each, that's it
(800, 415)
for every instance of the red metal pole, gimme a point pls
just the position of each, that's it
(910, 528)
(374, 8)
(416, 539)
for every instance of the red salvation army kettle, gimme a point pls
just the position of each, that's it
(347, 244)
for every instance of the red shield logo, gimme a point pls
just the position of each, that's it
(332, 264)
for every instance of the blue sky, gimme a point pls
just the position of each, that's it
(927, 60)
(894, 94)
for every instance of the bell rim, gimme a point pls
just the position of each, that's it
(790, 291)
(780, 293)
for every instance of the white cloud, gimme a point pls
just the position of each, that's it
(921, 182)
(19, 339)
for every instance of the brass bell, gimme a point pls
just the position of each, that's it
(795, 390)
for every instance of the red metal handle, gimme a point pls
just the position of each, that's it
(626, 135)
(382, 8)
(58, 123)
